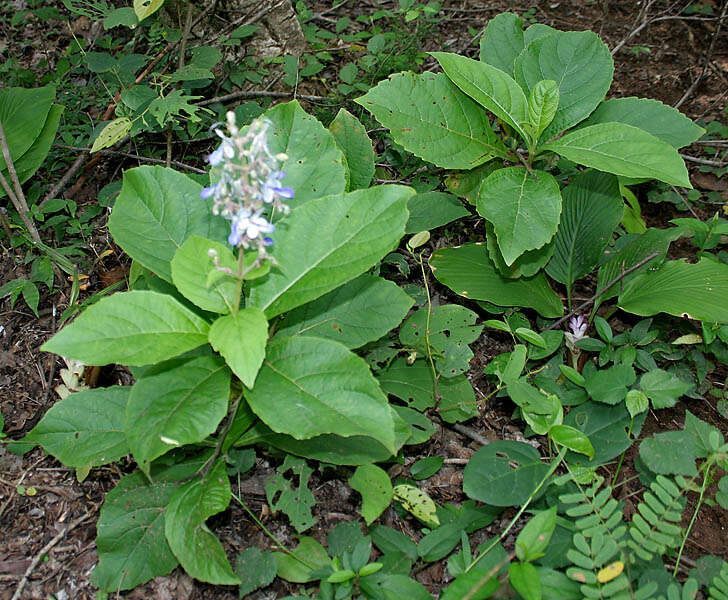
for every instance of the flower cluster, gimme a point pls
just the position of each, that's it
(577, 328)
(248, 188)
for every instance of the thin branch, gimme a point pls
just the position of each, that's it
(154, 161)
(260, 94)
(704, 161)
(599, 292)
(641, 16)
(44, 550)
(60, 186)
(706, 59)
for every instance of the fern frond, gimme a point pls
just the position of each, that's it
(654, 527)
(718, 589)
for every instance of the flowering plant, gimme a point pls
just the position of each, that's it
(224, 339)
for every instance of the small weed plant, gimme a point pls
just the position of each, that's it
(258, 323)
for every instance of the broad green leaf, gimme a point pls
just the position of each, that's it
(632, 250)
(255, 569)
(503, 473)
(468, 271)
(542, 104)
(131, 544)
(292, 497)
(524, 579)
(663, 388)
(623, 150)
(527, 264)
(605, 426)
(610, 385)
(466, 184)
(313, 386)
(489, 86)
(581, 65)
(351, 136)
(32, 159)
(502, 41)
(298, 564)
(111, 133)
(523, 207)
(191, 270)
(593, 208)
(329, 241)
(198, 550)
(476, 584)
(131, 328)
(85, 428)
(430, 210)
(241, 339)
(23, 114)
(659, 119)
(697, 291)
(636, 402)
(535, 536)
(172, 407)
(670, 453)
(315, 164)
(375, 488)
(358, 312)
(418, 503)
(414, 385)
(426, 467)
(707, 437)
(434, 120)
(156, 211)
(330, 448)
(146, 8)
(573, 439)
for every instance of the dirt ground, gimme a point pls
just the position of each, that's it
(63, 512)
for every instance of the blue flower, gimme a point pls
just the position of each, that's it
(208, 192)
(216, 157)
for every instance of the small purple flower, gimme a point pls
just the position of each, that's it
(216, 157)
(578, 326)
(268, 241)
(208, 192)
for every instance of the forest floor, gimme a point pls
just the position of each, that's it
(50, 535)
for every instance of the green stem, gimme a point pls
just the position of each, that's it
(621, 458)
(239, 284)
(278, 543)
(706, 478)
(549, 473)
(427, 329)
(221, 439)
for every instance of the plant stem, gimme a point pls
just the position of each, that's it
(427, 330)
(549, 473)
(621, 458)
(706, 478)
(239, 284)
(221, 438)
(268, 533)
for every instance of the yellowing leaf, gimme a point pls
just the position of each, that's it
(146, 8)
(610, 572)
(111, 134)
(418, 503)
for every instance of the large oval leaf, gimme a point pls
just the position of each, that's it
(490, 87)
(195, 546)
(593, 208)
(468, 271)
(358, 312)
(241, 339)
(623, 150)
(131, 328)
(315, 164)
(581, 65)
(313, 386)
(23, 113)
(328, 241)
(351, 136)
(85, 428)
(697, 291)
(131, 544)
(434, 120)
(659, 119)
(176, 406)
(502, 41)
(504, 473)
(156, 211)
(523, 207)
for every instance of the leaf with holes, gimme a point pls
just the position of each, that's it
(375, 488)
(503, 473)
(296, 502)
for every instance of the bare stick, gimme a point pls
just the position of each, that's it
(593, 299)
(471, 433)
(59, 187)
(641, 17)
(154, 161)
(44, 550)
(259, 94)
(706, 59)
(704, 161)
